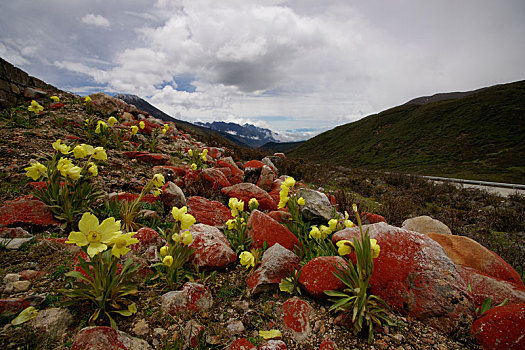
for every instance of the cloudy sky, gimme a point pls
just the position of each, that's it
(284, 64)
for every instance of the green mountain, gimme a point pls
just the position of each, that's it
(478, 135)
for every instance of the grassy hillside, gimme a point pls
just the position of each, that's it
(480, 136)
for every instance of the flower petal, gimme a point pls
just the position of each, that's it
(78, 238)
(95, 248)
(89, 222)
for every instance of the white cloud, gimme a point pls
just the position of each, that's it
(96, 21)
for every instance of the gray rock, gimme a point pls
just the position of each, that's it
(15, 243)
(95, 338)
(53, 322)
(11, 277)
(268, 161)
(317, 207)
(172, 196)
(234, 327)
(21, 286)
(425, 224)
(141, 327)
(193, 297)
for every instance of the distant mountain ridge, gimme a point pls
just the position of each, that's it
(246, 134)
(475, 135)
(145, 106)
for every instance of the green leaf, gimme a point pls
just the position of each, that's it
(25, 315)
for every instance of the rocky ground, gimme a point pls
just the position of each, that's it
(34, 272)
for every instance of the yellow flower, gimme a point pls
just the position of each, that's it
(236, 206)
(301, 201)
(231, 224)
(325, 231)
(35, 107)
(83, 150)
(112, 121)
(92, 169)
(193, 166)
(63, 166)
(62, 148)
(100, 153)
(164, 250)
(87, 99)
(74, 172)
(168, 260)
(332, 224)
(142, 125)
(271, 334)
(158, 180)
(100, 125)
(253, 204)
(282, 203)
(36, 170)
(354, 207)
(315, 233)
(204, 154)
(375, 248)
(156, 192)
(190, 152)
(55, 98)
(289, 182)
(349, 224)
(186, 220)
(93, 235)
(132, 308)
(187, 238)
(120, 244)
(247, 259)
(86, 121)
(345, 247)
(165, 128)
(134, 129)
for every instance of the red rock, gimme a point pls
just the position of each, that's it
(266, 178)
(414, 276)
(214, 179)
(262, 228)
(14, 232)
(296, 314)
(148, 126)
(317, 275)
(501, 328)
(37, 185)
(227, 172)
(153, 158)
(9, 307)
(273, 345)
(242, 344)
(246, 191)
(212, 248)
(31, 274)
(193, 297)
(147, 237)
(280, 216)
(328, 344)
(106, 338)
(73, 137)
(484, 286)
(130, 197)
(369, 218)
(275, 190)
(254, 164)
(56, 105)
(467, 252)
(237, 174)
(26, 210)
(277, 263)
(214, 152)
(208, 212)
(177, 171)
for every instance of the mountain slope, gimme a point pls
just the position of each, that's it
(478, 136)
(247, 134)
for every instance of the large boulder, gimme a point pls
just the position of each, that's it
(467, 252)
(208, 212)
(237, 173)
(413, 275)
(26, 210)
(252, 171)
(212, 248)
(425, 224)
(317, 276)
(317, 207)
(193, 297)
(483, 286)
(214, 179)
(107, 104)
(172, 195)
(277, 263)
(245, 191)
(501, 328)
(262, 228)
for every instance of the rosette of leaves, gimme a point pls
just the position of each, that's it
(356, 301)
(69, 190)
(98, 279)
